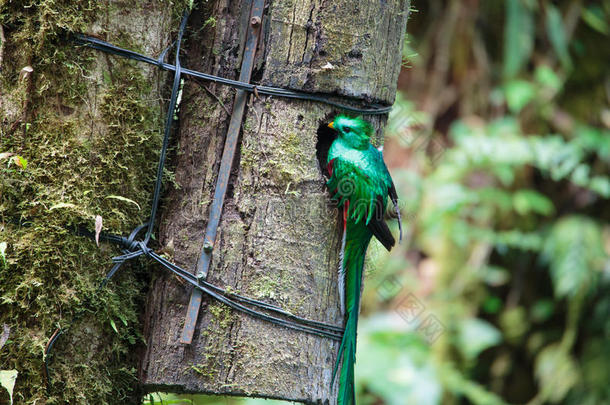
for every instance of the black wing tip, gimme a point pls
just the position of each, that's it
(378, 226)
(381, 231)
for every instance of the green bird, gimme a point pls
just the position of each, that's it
(360, 182)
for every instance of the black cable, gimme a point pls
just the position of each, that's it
(98, 44)
(320, 329)
(236, 298)
(168, 126)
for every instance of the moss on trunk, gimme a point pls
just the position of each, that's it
(89, 126)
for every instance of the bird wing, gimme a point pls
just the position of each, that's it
(362, 195)
(381, 167)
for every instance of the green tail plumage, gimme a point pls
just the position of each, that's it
(357, 240)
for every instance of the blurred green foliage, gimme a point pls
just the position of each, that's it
(503, 167)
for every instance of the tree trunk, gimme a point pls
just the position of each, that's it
(88, 125)
(278, 238)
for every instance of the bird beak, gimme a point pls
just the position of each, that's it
(332, 125)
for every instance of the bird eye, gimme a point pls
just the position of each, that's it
(347, 130)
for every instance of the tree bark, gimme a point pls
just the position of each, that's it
(88, 125)
(278, 238)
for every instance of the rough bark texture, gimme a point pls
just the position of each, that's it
(89, 126)
(279, 238)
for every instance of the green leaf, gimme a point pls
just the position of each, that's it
(548, 78)
(595, 365)
(504, 173)
(123, 319)
(564, 158)
(120, 198)
(575, 254)
(595, 18)
(476, 335)
(580, 175)
(594, 140)
(20, 161)
(601, 185)
(556, 31)
(518, 37)
(518, 94)
(113, 326)
(495, 197)
(7, 380)
(526, 201)
(556, 371)
(519, 240)
(16, 159)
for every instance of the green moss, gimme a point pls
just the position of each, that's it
(210, 21)
(266, 287)
(222, 315)
(200, 369)
(84, 142)
(286, 160)
(222, 319)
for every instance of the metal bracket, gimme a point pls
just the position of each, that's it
(203, 264)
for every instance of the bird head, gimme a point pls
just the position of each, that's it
(356, 132)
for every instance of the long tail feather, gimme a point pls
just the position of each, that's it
(357, 238)
(341, 276)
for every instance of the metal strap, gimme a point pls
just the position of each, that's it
(203, 264)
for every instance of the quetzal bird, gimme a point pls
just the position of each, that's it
(360, 182)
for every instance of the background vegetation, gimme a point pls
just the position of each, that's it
(500, 145)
